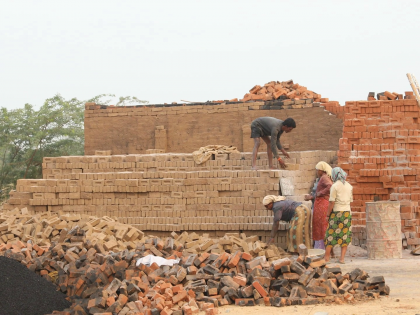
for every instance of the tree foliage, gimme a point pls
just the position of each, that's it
(28, 135)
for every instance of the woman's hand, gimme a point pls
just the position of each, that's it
(308, 197)
(282, 164)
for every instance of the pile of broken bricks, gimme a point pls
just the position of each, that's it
(390, 96)
(18, 230)
(285, 90)
(98, 278)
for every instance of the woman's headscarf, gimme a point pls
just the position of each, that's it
(323, 166)
(272, 198)
(338, 174)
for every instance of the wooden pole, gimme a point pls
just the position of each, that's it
(414, 86)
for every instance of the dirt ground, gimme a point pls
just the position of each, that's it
(402, 276)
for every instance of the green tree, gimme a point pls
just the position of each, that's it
(28, 135)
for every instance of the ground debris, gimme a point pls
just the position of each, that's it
(99, 277)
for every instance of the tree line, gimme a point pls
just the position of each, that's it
(27, 135)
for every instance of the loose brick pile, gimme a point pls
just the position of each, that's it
(106, 234)
(388, 96)
(45, 228)
(380, 150)
(168, 192)
(282, 90)
(235, 269)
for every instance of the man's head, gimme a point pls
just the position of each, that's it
(288, 125)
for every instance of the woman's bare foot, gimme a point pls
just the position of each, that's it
(254, 168)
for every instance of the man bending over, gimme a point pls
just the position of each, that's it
(270, 129)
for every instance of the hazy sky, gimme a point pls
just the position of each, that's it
(165, 51)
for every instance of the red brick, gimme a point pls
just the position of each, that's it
(259, 288)
(246, 256)
(179, 297)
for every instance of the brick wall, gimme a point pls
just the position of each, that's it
(380, 150)
(135, 129)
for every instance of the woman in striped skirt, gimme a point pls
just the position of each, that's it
(297, 214)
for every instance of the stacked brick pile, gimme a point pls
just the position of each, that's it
(388, 96)
(380, 151)
(97, 280)
(168, 192)
(286, 90)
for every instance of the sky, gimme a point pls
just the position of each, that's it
(168, 51)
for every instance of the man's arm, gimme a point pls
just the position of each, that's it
(274, 230)
(279, 146)
(275, 142)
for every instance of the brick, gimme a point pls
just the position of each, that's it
(316, 291)
(259, 288)
(179, 297)
(245, 302)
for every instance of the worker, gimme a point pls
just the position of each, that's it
(297, 214)
(339, 214)
(270, 129)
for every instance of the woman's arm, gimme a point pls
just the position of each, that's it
(330, 207)
(274, 230)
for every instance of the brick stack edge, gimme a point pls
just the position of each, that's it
(380, 150)
(168, 192)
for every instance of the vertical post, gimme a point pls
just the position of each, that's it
(414, 86)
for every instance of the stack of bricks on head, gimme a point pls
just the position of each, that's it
(380, 151)
(93, 260)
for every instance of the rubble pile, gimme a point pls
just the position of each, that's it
(235, 269)
(390, 96)
(285, 90)
(43, 230)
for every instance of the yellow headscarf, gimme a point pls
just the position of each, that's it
(272, 198)
(323, 166)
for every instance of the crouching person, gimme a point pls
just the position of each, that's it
(295, 213)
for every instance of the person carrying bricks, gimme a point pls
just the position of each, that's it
(270, 129)
(297, 214)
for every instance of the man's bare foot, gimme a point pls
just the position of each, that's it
(254, 168)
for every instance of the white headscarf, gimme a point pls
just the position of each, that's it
(272, 198)
(323, 166)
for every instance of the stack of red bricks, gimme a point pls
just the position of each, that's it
(334, 107)
(282, 90)
(380, 151)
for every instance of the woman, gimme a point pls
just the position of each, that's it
(297, 214)
(339, 214)
(322, 195)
